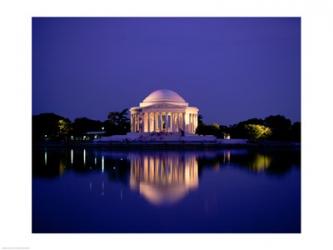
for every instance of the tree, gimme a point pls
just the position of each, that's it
(280, 125)
(296, 132)
(200, 120)
(64, 126)
(117, 123)
(46, 126)
(213, 129)
(257, 132)
(82, 125)
(201, 126)
(239, 130)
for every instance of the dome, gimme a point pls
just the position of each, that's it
(163, 96)
(163, 194)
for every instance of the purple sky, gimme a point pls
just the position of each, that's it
(232, 69)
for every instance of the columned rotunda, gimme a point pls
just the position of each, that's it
(164, 111)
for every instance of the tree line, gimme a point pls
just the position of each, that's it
(274, 127)
(50, 126)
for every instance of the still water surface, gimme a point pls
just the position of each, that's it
(226, 191)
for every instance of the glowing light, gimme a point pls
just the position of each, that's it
(226, 156)
(258, 131)
(45, 158)
(72, 156)
(261, 162)
(95, 160)
(84, 156)
(102, 164)
(62, 167)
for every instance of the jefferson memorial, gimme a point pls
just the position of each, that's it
(164, 111)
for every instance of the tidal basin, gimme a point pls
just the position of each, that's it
(97, 190)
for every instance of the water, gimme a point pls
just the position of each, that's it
(222, 191)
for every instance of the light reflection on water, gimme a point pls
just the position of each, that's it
(161, 177)
(223, 189)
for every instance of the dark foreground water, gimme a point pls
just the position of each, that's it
(97, 190)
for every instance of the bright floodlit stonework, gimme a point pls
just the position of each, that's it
(164, 111)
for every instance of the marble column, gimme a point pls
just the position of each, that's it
(190, 122)
(132, 127)
(143, 122)
(131, 122)
(195, 122)
(137, 123)
(180, 121)
(177, 122)
(155, 122)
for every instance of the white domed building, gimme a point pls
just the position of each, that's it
(164, 111)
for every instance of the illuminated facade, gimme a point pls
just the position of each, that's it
(163, 179)
(164, 111)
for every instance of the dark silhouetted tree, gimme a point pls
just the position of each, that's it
(239, 130)
(296, 132)
(213, 129)
(50, 126)
(280, 125)
(117, 123)
(83, 125)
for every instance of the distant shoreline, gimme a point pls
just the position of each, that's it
(166, 145)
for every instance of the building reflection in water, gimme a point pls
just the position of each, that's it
(163, 178)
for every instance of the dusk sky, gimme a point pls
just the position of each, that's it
(232, 69)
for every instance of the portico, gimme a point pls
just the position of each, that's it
(164, 111)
